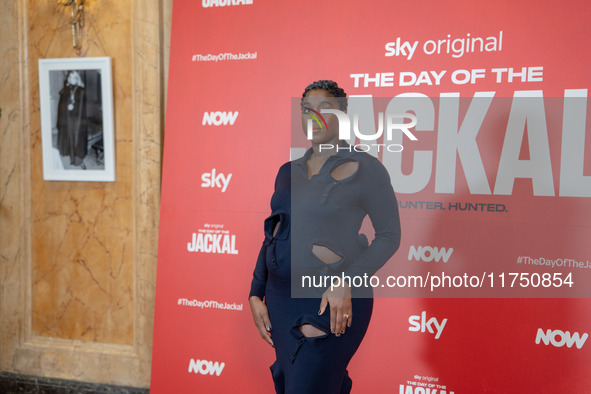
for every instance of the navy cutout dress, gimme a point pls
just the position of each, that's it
(328, 212)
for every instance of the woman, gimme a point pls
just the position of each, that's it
(72, 133)
(318, 207)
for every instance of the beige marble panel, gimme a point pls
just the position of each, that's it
(82, 232)
(78, 259)
(148, 110)
(13, 223)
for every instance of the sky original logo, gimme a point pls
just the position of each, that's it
(214, 180)
(205, 367)
(392, 122)
(457, 47)
(429, 253)
(219, 118)
(420, 323)
(558, 338)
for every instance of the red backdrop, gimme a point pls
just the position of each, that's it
(234, 68)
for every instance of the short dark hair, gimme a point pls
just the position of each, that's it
(332, 88)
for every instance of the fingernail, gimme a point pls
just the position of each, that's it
(337, 334)
(320, 311)
(342, 332)
(332, 331)
(268, 328)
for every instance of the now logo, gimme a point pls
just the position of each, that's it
(560, 338)
(205, 367)
(218, 118)
(429, 253)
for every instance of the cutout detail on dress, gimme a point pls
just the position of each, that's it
(345, 170)
(325, 255)
(311, 331)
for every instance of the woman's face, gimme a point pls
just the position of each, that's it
(317, 100)
(73, 78)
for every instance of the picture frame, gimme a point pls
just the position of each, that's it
(77, 133)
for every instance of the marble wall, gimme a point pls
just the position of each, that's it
(78, 259)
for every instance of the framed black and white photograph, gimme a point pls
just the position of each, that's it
(76, 97)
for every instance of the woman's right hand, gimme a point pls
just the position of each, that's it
(260, 315)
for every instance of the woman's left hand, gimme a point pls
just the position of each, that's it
(341, 310)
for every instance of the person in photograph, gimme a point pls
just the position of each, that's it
(72, 133)
(318, 207)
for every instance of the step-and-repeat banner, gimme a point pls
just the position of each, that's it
(489, 289)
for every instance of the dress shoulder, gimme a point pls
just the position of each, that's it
(283, 175)
(372, 168)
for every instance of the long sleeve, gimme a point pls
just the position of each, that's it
(279, 213)
(378, 200)
(259, 276)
